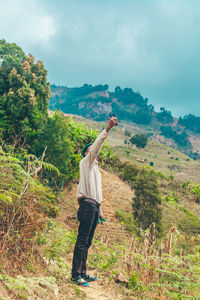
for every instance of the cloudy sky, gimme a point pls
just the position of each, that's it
(152, 46)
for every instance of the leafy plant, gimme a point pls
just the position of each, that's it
(127, 220)
(140, 140)
(24, 203)
(147, 198)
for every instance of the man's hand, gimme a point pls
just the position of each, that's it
(101, 220)
(112, 122)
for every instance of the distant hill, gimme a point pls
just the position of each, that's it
(97, 103)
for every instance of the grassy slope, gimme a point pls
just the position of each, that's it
(175, 163)
(166, 160)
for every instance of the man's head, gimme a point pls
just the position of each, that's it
(86, 149)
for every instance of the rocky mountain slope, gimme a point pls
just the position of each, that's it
(97, 103)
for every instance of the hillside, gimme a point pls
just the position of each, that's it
(97, 102)
(166, 159)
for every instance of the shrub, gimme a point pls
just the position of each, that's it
(127, 133)
(147, 200)
(140, 140)
(24, 203)
(127, 220)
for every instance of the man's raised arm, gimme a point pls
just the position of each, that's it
(98, 143)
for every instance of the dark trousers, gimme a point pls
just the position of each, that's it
(88, 215)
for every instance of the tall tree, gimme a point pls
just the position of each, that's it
(24, 94)
(147, 199)
(164, 116)
(139, 139)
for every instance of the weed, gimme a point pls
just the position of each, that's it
(24, 288)
(127, 220)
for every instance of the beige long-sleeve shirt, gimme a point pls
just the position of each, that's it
(90, 177)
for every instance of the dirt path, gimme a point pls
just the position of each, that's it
(98, 292)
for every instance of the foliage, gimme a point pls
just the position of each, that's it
(181, 138)
(127, 133)
(167, 131)
(194, 155)
(127, 220)
(175, 278)
(164, 116)
(128, 96)
(193, 189)
(24, 288)
(147, 200)
(173, 199)
(147, 196)
(57, 241)
(24, 205)
(128, 172)
(24, 95)
(190, 122)
(140, 140)
(55, 140)
(189, 222)
(105, 258)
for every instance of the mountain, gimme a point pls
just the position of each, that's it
(97, 103)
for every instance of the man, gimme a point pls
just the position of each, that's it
(89, 196)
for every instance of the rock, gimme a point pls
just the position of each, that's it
(121, 279)
(140, 160)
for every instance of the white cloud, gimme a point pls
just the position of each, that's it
(26, 23)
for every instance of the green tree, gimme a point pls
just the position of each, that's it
(190, 122)
(54, 139)
(167, 131)
(147, 199)
(24, 95)
(24, 114)
(164, 116)
(181, 138)
(140, 140)
(127, 133)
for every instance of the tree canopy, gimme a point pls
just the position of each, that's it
(164, 116)
(140, 140)
(24, 95)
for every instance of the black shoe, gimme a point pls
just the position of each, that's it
(79, 281)
(89, 278)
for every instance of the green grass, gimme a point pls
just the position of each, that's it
(165, 159)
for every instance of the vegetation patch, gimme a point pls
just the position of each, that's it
(127, 219)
